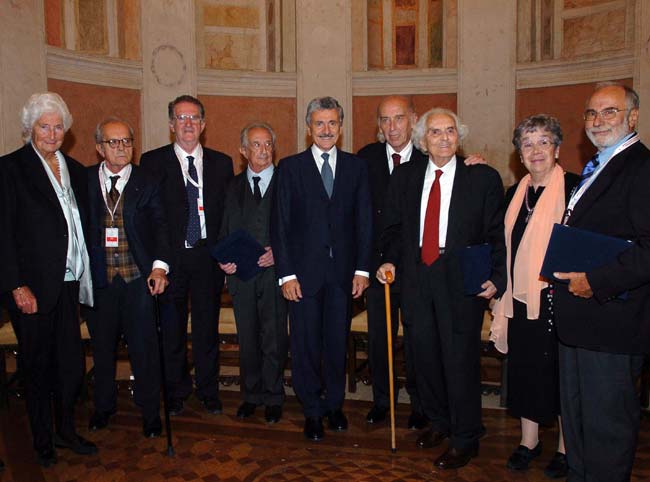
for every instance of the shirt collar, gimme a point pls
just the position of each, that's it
(449, 168)
(405, 154)
(197, 153)
(265, 174)
(608, 151)
(123, 173)
(316, 151)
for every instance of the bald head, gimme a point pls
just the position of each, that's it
(396, 118)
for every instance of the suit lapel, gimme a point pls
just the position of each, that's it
(420, 166)
(176, 175)
(36, 171)
(600, 184)
(312, 175)
(132, 193)
(456, 202)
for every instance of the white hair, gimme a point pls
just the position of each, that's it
(420, 129)
(39, 104)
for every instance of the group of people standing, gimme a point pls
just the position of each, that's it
(333, 225)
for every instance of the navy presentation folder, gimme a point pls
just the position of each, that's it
(576, 250)
(242, 249)
(476, 264)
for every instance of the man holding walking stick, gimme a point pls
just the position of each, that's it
(128, 242)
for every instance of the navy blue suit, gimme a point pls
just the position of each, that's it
(122, 307)
(322, 242)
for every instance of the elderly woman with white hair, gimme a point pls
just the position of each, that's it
(436, 208)
(45, 271)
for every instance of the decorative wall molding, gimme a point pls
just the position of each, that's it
(72, 66)
(247, 84)
(63, 64)
(385, 82)
(561, 72)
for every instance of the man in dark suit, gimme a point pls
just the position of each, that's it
(193, 186)
(435, 209)
(128, 240)
(603, 316)
(260, 309)
(395, 119)
(321, 237)
(45, 271)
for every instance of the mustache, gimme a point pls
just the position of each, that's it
(326, 136)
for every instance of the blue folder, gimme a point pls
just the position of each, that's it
(240, 248)
(476, 264)
(577, 250)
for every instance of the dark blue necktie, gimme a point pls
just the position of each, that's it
(193, 233)
(327, 174)
(589, 169)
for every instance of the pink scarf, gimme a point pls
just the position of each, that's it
(530, 254)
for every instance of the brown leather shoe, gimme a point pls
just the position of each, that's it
(454, 458)
(430, 438)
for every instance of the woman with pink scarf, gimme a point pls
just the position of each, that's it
(523, 323)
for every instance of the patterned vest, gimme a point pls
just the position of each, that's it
(119, 261)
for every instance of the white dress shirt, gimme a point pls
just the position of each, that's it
(197, 154)
(405, 155)
(446, 186)
(125, 174)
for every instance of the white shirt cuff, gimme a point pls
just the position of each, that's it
(284, 279)
(160, 264)
(362, 273)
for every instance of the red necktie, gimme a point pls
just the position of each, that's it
(430, 237)
(396, 159)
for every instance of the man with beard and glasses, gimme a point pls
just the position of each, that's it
(603, 315)
(321, 238)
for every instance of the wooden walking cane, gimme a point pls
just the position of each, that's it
(391, 385)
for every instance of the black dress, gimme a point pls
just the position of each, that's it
(533, 390)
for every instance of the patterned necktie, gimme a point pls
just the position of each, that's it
(327, 174)
(114, 194)
(193, 233)
(396, 160)
(589, 169)
(257, 193)
(430, 237)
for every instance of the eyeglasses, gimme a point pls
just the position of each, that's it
(605, 114)
(188, 117)
(542, 144)
(113, 143)
(257, 146)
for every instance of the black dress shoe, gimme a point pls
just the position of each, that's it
(152, 429)
(46, 457)
(273, 413)
(76, 443)
(417, 421)
(430, 438)
(98, 421)
(376, 414)
(246, 409)
(454, 458)
(557, 468)
(314, 428)
(337, 421)
(522, 456)
(175, 406)
(213, 406)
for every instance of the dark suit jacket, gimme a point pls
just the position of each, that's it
(34, 241)
(616, 204)
(145, 223)
(233, 217)
(217, 172)
(305, 223)
(475, 217)
(379, 177)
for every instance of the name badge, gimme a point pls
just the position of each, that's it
(199, 204)
(112, 238)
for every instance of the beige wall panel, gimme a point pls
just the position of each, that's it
(22, 65)
(128, 21)
(91, 26)
(486, 78)
(597, 33)
(228, 51)
(375, 34)
(231, 16)
(168, 61)
(324, 28)
(450, 53)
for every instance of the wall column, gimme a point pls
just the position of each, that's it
(168, 63)
(487, 42)
(324, 60)
(22, 65)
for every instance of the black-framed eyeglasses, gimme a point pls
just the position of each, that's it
(605, 114)
(113, 143)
